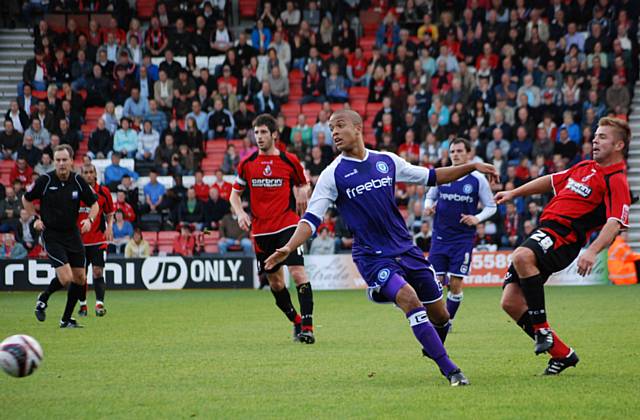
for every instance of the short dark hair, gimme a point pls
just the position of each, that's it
(268, 120)
(467, 143)
(64, 147)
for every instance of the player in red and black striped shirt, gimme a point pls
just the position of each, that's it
(591, 196)
(277, 188)
(95, 241)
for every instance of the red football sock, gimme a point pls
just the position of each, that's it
(540, 326)
(559, 349)
(297, 320)
(307, 328)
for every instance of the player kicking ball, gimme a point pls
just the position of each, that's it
(273, 179)
(95, 241)
(455, 205)
(361, 183)
(592, 196)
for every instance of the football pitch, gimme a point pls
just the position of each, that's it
(229, 354)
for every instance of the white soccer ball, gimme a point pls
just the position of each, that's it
(20, 355)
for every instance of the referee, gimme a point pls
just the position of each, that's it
(60, 193)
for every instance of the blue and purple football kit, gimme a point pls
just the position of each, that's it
(452, 241)
(383, 249)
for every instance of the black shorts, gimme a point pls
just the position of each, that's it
(550, 258)
(266, 245)
(96, 255)
(64, 248)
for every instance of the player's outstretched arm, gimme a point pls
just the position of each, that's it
(452, 173)
(537, 186)
(606, 236)
(300, 236)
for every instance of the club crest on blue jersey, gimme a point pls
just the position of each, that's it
(467, 189)
(383, 274)
(382, 167)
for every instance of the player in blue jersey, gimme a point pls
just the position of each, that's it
(454, 226)
(361, 183)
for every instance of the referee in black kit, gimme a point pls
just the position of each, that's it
(60, 192)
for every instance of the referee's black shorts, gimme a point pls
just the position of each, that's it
(266, 245)
(64, 248)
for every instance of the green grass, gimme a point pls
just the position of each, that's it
(228, 354)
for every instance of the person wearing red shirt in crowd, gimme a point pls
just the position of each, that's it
(228, 79)
(127, 209)
(185, 243)
(277, 188)
(592, 196)
(21, 171)
(492, 58)
(357, 68)
(113, 28)
(410, 150)
(453, 44)
(223, 187)
(201, 187)
(96, 239)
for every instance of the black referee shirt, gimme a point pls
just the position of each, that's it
(60, 200)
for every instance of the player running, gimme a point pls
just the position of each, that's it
(591, 196)
(361, 183)
(277, 187)
(455, 205)
(95, 241)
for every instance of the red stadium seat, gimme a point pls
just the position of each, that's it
(367, 43)
(165, 248)
(373, 108)
(291, 109)
(169, 235)
(360, 106)
(248, 8)
(39, 94)
(94, 113)
(211, 248)
(145, 8)
(311, 110)
(152, 238)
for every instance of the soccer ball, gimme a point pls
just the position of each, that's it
(20, 355)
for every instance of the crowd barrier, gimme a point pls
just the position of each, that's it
(326, 272)
(153, 273)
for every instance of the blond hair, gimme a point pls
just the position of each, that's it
(621, 127)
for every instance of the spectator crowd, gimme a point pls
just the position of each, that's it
(524, 80)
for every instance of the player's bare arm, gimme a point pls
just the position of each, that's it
(243, 218)
(606, 236)
(300, 236)
(302, 194)
(108, 233)
(451, 173)
(537, 186)
(93, 213)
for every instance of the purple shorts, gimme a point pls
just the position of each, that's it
(412, 266)
(451, 258)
